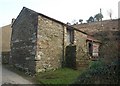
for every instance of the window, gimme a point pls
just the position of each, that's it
(70, 36)
(90, 47)
(93, 48)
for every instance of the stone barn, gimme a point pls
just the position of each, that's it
(41, 43)
(108, 31)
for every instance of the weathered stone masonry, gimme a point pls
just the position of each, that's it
(39, 42)
(23, 41)
(49, 44)
(81, 49)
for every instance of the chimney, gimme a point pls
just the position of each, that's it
(13, 19)
(100, 11)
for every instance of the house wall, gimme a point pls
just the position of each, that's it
(50, 44)
(82, 58)
(6, 37)
(23, 41)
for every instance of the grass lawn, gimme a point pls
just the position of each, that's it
(59, 76)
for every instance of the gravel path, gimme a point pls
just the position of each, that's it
(12, 78)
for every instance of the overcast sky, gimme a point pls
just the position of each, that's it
(62, 10)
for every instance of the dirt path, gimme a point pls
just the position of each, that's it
(13, 78)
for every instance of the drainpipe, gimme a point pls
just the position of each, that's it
(63, 51)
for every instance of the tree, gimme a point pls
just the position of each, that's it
(110, 12)
(91, 19)
(74, 22)
(68, 23)
(98, 17)
(81, 20)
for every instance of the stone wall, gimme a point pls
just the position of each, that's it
(82, 57)
(5, 57)
(50, 46)
(23, 41)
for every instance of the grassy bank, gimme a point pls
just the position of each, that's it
(60, 76)
(97, 73)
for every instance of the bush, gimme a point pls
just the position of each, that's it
(99, 73)
(96, 64)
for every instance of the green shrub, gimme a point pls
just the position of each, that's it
(99, 73)
(96, 64)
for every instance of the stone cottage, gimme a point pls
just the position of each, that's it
(41, 43)
(108, 31)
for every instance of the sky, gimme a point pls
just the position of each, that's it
(62, 10)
